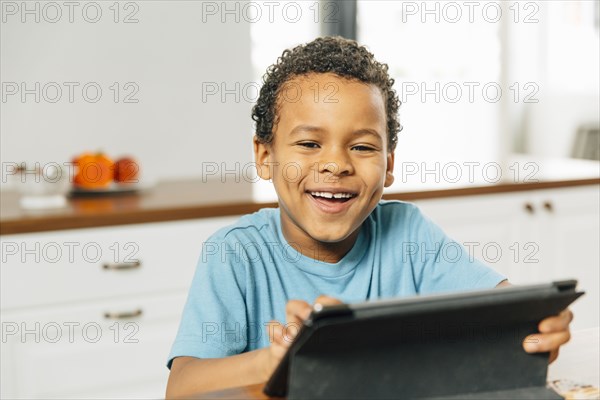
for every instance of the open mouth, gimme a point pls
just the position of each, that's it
(330, 197)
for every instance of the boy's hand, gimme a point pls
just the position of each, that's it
(281, 337)
(554, 332)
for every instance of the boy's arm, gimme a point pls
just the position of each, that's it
(192, 375)
(503, 283)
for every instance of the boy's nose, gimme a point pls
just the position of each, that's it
(336, 163)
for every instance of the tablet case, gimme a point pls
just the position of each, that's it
(442, 347)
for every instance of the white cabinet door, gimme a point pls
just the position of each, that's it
(488, 226)
(543, 235)
(90, 264)
(79, 352)
(572, 227)
(74, 329)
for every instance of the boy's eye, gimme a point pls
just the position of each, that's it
(309, 145)
(362, 148)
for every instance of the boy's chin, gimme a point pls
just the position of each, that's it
(331, 237)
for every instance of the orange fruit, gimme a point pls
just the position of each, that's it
(93, 171)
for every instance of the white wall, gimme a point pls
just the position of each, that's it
(168, 54)
(552, 125)
(559, 53)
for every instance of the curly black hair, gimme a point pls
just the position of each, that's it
(332, 54)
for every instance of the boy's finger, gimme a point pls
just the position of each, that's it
(276, 335)
(557, 323)
(271, 328)
(327, 301)
(297, 311)
(543, 342)
(290, 331)
(278, 352)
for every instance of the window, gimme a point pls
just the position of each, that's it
(446, 64)
(282, 25)
(572, 46)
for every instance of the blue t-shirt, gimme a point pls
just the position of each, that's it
(247, 272)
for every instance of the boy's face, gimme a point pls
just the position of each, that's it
(329, 158)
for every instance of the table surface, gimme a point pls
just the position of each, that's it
(579, 361)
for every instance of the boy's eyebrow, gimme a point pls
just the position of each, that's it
(303, 128)
(367, 131)
(311, 128)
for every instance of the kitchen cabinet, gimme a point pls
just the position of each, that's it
(93, 312)
(76, 352)
(98, 322)
(532, 237)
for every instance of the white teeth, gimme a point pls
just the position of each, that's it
(342, 195)
(329, 195)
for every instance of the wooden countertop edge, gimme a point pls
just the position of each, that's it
(61, 222)
(44, 224)
(492, 189)
(249, 392)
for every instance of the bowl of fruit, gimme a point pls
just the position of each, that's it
(97, 173)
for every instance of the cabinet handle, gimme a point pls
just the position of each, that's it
(529, 208)
(122, 266)
(548, 206)
(123, 315)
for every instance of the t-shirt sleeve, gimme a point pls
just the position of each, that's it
(442, 264)
(213, 323)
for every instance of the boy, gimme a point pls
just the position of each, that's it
(326, 129)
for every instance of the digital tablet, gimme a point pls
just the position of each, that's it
(433, 346)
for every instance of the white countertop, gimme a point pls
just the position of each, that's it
(579, 359)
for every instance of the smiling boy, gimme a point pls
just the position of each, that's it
(326, 130)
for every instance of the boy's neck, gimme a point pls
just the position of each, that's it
(321, 251)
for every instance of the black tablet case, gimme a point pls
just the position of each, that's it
(457, 346)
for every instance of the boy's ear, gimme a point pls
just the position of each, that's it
(262, 153)
(389, 170)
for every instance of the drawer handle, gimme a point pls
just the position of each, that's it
(529, 208)
(548, 206)
(123, 315)
(122, 266)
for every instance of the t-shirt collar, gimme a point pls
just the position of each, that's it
(325, 269)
